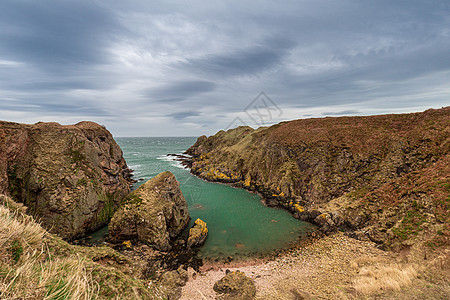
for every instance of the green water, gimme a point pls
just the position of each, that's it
(238, 224)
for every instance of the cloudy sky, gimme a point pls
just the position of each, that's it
(176, 68)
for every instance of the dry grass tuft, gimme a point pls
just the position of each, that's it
(381, 278)
(67, 278)
(35, 264)
(27, 270)
(19, 229)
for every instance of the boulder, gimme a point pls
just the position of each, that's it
(172, 281)
(197, 234)
(154, 214)
(325, 222)
(71, 177)
(236, 286)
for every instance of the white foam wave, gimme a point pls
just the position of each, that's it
(172, 160)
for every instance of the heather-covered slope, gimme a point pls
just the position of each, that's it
(329, 171)
(70, 177)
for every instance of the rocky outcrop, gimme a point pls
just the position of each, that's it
(236, 286)
(322, 169)
(71, 178)
(197, 234)
(155, 213)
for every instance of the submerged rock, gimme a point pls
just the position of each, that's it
(236, 286)
(155, 213)
(197, 234)
(71, 177)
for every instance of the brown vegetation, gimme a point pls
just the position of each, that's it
(383, 177)
(35, 264)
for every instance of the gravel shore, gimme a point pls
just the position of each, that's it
(333, 267)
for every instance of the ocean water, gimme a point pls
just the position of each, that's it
(239, 225)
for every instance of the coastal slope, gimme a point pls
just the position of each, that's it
(384, 178)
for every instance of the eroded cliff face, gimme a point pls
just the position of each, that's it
(71, 178)
(323, 169)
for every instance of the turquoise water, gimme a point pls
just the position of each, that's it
(238, 224)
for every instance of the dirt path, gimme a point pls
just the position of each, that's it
(334, 267)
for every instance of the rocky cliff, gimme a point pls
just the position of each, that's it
(70, 177)
(379, 176)
(155, 213)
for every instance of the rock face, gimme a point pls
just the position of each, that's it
(197, 234)
(155, 213)
(71, 178)
(236, 286)
(329, 171)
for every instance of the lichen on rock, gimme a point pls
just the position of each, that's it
(154, 213)
(197, 234)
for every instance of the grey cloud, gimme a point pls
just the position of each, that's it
(184, 115)
(341, 113)
(247, 61)
(85, 58)
(179, 90)
(55, 35)
(49, 107)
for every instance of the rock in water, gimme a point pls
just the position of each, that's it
(71, 178)
(197, 234)
(155, 213)
(236, 286)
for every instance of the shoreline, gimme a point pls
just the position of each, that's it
(186, 160)
(333, 267)
(299, 244)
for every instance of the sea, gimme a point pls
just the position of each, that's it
(239, 225)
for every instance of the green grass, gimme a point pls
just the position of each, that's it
(76, 156)
(16, 250)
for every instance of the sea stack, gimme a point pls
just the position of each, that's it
(154, 214)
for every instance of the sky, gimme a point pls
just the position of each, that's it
(188, 68)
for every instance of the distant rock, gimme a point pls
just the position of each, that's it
(70, 177)
(235, 286)
(197, 234)
(155, 213)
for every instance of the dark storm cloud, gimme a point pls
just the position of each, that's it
(247, 61)
(55, 36)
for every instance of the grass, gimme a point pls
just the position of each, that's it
(16, 250)
(382, 278)
(35, 264)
